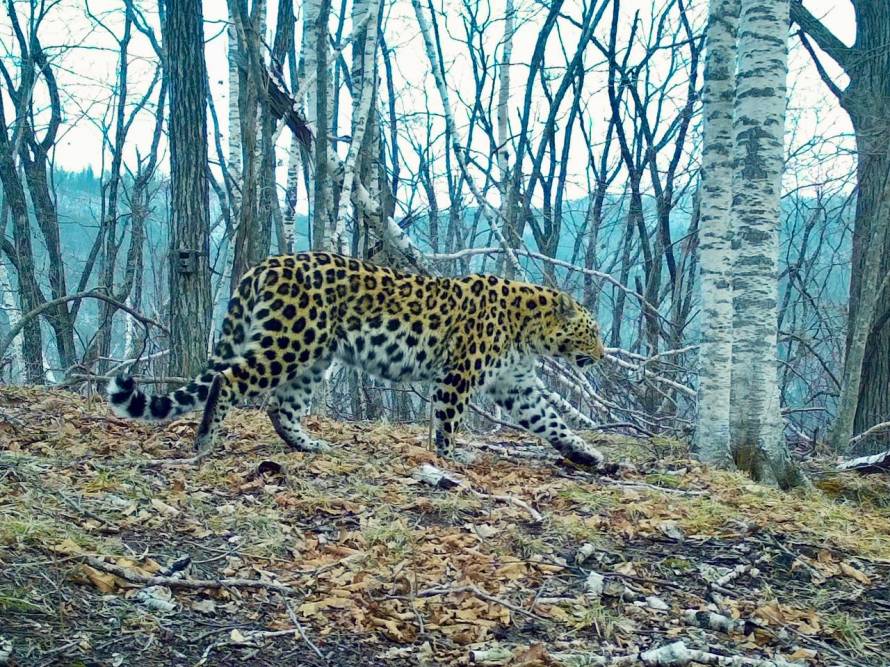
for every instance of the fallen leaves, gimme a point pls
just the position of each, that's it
(774, 613)
(524, 564)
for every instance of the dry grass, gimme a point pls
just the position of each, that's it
(361, 540)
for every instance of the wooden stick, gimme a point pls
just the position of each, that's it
(173, 582)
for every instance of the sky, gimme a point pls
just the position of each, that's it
(81, 37)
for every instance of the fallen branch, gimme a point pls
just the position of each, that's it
(430, 474)
(676, 654)
(708, 620)
(650, 487)
(175, 582)
(868, 464)
(883, 426)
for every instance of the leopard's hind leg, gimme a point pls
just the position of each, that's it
(292, 401)
(243, 378)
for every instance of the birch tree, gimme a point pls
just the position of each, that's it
(715, 232)
(758, 128)
(321, 192)
(251, 236)
(7, 304)
(233, 163)
(364, 95)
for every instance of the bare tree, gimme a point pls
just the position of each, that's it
(865, 99)
(758, 126)
(190, 306)
(713, 443)
(29, 142)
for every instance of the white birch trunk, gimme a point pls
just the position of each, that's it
(758, 126)
(290, 193)
(308, 91)
(7, 301)
(234, 119)
(361, 112)
(715, 233)
(503, 156)
(308, 61)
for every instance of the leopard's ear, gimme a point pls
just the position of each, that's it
(565, 307)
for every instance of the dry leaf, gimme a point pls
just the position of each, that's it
(164, 508)
(535, 656)
(802, 654)
(858, 575)
(67, 547)
(106, 583)
(204, 606)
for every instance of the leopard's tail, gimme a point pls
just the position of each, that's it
(129, 401)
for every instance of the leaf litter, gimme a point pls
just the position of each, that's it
(261, 555)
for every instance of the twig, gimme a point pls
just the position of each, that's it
(293, 617)
(650, 487)
(251, 637)
(510, 500)
(14, 331)
(174, 582)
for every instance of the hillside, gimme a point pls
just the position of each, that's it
(113, 555)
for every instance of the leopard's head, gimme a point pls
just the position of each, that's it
(574, 334)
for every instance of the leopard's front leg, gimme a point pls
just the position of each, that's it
(450, 400)
(522, 394)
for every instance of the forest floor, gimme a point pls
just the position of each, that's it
(261, 556)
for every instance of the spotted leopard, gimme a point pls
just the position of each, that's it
(292, 315)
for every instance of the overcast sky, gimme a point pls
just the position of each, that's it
(85, 56)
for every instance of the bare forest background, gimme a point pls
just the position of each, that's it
(150, 153)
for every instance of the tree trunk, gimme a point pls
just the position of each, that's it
(190, 306)
(234, 142)
(758, 125)
(364, 80)
(870, 282)
(866, 99)
(22, 256)
(322, 185)
(252, 235)
(7, 304)
(712, 442)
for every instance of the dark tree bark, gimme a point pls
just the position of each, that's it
(33, 153)
(190, 305)
(22, 256)
(866, 99)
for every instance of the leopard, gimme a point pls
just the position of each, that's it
(292, 315)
